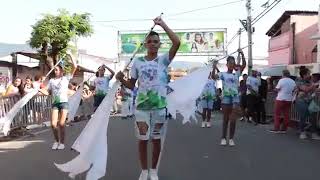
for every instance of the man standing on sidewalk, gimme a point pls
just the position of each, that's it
(263, 92)
(253, 84)
(283, 102)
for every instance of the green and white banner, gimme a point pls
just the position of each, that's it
(193, 42)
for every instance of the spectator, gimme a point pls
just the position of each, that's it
(243, 97)
(71, 89)
(37, 84)
(305, 89)
(217, 102)
(16, 88)
(253, 84)
(28, 86)
(86, 108)
(262, 98)
(285, 88)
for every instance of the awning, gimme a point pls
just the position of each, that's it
(315, 37)
(273, 70)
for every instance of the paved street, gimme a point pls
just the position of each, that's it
(190, 153)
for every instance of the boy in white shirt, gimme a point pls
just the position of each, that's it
(151, 73)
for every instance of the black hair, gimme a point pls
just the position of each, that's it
(245, 75)
(28, 77)
(303, 71)
(60, 66)
(153, 33)
(20, 87)
(230, 58)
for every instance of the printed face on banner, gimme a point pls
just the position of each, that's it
(200, 42)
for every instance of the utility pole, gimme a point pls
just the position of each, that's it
(249, 30)
(239, 46)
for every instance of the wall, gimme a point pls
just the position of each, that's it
(306, 26)
(286, 26)
(280, 49)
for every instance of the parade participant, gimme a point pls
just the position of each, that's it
(230, 101)
(58, 88)
(207, 97)
(151, 73)
(101, 84)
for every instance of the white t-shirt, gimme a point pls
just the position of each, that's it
(36, 85)
(230, 83)
(209, 90)
(59, 89)
(286, 87)
(254, 83)
(102, 85)
(152, 79)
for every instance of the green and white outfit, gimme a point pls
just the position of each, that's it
(151, 100)
(59, 90)
(208, 94)
(230, 87)
(101, 89)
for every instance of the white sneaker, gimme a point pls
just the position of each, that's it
(144, 175)
(315, 136)
(203, 124)
(61, 147)
(208, 124)
(303, 135)
(153, 174)
(223, 142)
(231, 142)
(55, 146)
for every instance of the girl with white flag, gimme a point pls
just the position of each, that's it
(58, 88)
(6, 122)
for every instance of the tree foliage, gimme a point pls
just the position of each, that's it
(53, 33)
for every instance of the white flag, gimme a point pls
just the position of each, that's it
(185, 92)
(92, 142)
(6, 121)
(74, 102)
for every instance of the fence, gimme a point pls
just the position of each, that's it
(36, 111)
(294, 114)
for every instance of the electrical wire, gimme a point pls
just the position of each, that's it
(171, 15)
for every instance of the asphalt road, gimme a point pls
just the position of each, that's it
(190, 153)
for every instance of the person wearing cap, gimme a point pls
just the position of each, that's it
(101, 84)
(253, 84)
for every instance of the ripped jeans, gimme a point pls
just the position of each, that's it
(150, 124)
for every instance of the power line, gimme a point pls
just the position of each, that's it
(171, 15)
(277, 2)
(265, 9)
(257, 18)
(201, 9)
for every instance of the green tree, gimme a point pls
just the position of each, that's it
(52, 34)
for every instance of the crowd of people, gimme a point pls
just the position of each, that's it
(244, 100)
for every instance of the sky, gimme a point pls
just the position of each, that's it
(17, 16)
